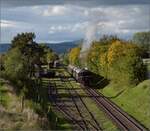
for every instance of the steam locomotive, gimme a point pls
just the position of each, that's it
(84, 76)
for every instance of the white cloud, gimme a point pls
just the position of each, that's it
(15, 24)
(60, 28)
(6, 23)
(55, 11)
(72, 21)
(51, 32)
(79, 26)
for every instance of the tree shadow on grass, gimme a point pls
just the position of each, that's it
(100, 83)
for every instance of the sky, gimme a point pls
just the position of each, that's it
(67, 20)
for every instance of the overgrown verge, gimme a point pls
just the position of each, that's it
(11, 114)
(31, 110)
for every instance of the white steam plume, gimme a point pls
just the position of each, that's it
(90, 35)
(95, 18)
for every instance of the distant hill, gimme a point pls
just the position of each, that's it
(4, 47)
(59, 48)
(63, 46)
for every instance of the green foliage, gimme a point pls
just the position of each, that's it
(51, 56)
(98, 49)
(2, 58)
(19, 62)
(125, 63)
(143, 40)
(22, 39)
(46, 50)
(65, 59)
(108, 39)
(116, 60)
(4, 98)
(29, 51)
(95, 51)
(15, 65)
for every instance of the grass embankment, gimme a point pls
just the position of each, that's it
(133, 100)
(11, 116)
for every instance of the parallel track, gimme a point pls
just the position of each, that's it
(65, 112)
(121, 119)
(94, 123)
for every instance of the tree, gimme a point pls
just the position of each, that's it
(29, 49)
(74, 56)
(2, 58)
(51, 56)
(64, 58)
(143, 40)
(125, 63)
(15, 65)
(22, 39)
(46, 50)
(97, 49)
(108, 39)
(92, 57)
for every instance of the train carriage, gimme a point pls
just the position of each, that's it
(84, 76)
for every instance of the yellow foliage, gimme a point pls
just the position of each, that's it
(116, 50)
(95, 51)
(103, 60)
(74, 55)
(119, 49)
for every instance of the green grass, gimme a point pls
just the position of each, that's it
(134, 100)
(4, 97)
(148, 67)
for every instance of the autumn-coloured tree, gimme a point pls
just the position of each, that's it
(92, 57)
(74, 56)
(97, 49)
(103, 64)
(117, 60)
(125, 63)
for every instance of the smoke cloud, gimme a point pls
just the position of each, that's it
(92, 28)
(90, 35)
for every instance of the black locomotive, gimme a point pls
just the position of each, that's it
(84, 76)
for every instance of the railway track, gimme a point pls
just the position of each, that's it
(77, 117)
(118, 116)
(121, 119)
(65, 112)
(94, 125)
